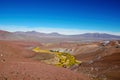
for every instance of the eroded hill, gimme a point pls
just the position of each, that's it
(16, 63)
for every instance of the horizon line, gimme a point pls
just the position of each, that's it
(63, 34)
(13, 28)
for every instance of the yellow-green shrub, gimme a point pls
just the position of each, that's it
(61, 59)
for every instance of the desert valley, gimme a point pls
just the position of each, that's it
(98, 56)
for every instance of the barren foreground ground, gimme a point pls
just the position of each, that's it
(99, 61)
(16, 63)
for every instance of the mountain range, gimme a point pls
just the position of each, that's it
(48, 37)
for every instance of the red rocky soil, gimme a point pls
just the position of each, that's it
(16, 63)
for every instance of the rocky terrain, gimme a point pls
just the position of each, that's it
(16, 63)
(100, 59)
(103, 63)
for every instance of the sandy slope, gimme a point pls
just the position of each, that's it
(36, 71)
(16, 64)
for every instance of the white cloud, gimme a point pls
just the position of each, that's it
(13, 28)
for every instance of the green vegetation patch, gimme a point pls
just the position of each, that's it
(56, 58)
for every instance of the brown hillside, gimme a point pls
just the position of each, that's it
(16, 64)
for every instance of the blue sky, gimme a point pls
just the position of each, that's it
(63, 16)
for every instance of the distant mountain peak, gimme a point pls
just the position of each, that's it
(4, 32)
(34, 35)
(54, 34)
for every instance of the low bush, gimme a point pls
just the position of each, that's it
(60, 58)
